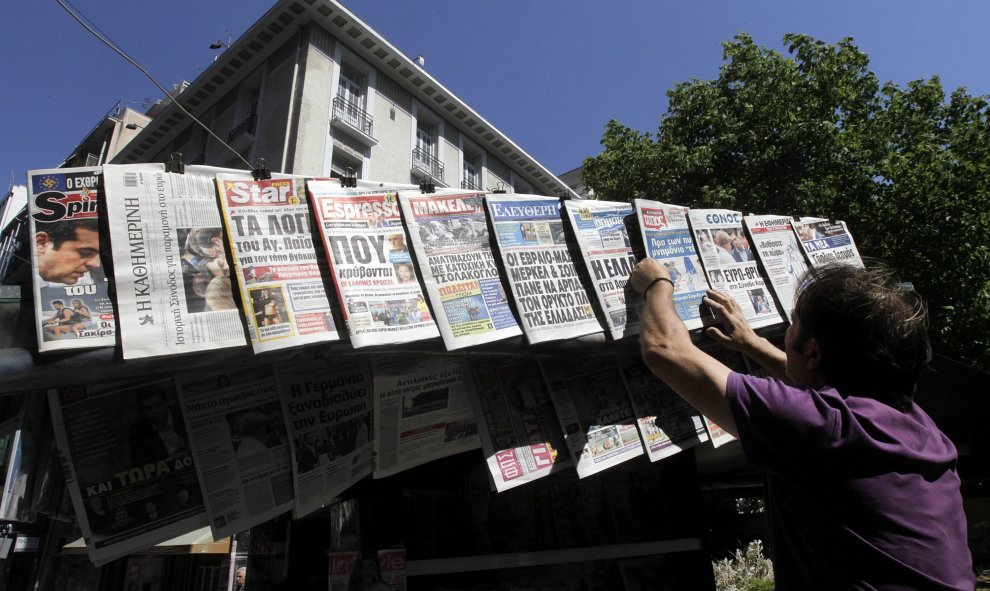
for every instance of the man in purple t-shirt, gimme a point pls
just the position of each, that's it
(862, 487)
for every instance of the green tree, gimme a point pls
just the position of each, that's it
(815, 133)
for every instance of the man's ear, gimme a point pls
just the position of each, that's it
(40, 241)
(812, 353)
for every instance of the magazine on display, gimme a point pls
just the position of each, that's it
(550, 296)
(449, 232)
(328, 412)
(667, 423)
(240, 449)
(825, 241)
(729, 261)
(268, 226)
(604, 241)
(520, 434)
(667, 240)
(595, 413)
(421, 411)
(377, 284)
(128, 465)
(776, 246)
(72, 306)
(174, 293)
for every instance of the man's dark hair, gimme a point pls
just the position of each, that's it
(59, 302)
(63, 230)
(872, 330)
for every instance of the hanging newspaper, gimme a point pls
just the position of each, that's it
(449, 232)
(170, 266)
(667, 423)
(128, 466)
(421, 412)
(328, 412)
(668, 241)
(352, 571)
(550, 297)
(737, 363)
(72, 308)
(240, 449)
(593, 408)
(730, 264)
(826, 242)
(778, 250)
(30, 435)
(376, 281)
(602, 235)
(520, 435)
(267, 223)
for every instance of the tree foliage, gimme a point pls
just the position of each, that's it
(814, 132)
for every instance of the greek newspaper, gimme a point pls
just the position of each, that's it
(376, 280)
(593, 407)
(668, 241)
(667, 423)
(128, 466)
(170, 268)
(730, 264)
(520, 435)
(267, 222)
(778, 250)
(421, 412)
(241, 452)
(826, 242)
(550, 297)
(450, 234)
(602, 235)
(72, 308)
(328, 412)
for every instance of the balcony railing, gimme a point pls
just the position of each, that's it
(427, 164)
(353, 115)
(470, 185)
(248, 126)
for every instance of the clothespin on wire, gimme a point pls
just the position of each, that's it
(174, 163)
(426, 185)
(261, 172)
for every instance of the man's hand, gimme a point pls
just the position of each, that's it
(645, 272)
(735, 333)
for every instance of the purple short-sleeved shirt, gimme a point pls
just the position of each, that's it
(860, 495)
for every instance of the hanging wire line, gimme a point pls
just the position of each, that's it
(94, 30)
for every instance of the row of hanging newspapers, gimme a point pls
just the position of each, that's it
(212, 258)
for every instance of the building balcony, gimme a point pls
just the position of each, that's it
(471, 185)
(425, 164)
(351, 118)
(241, 136)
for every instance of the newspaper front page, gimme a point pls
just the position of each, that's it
(72, 308)
(376, 280)
(240, 449)
(173, 284)
(520, 435)
(775, 243)
(827, 241)
(268, 224)
(593, 407)
(667, 423)
(328, 410)
(449, 232)
(731, 266)
(551, 299)
(422, 412)
(667, 239)
(128, 465)
(602, 235)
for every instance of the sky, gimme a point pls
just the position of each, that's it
(547, 73)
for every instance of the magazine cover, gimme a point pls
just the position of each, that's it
(667, 240)
(825, 241)
(449, 232)
(72, 306)
(174, 293)
(377, 284)
(268, 227)
(603, 238)
(551, 299)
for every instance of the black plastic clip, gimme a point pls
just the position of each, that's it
(349, 180)
(426, 186)
(261, 172)
(174, 163)
(499, 189)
